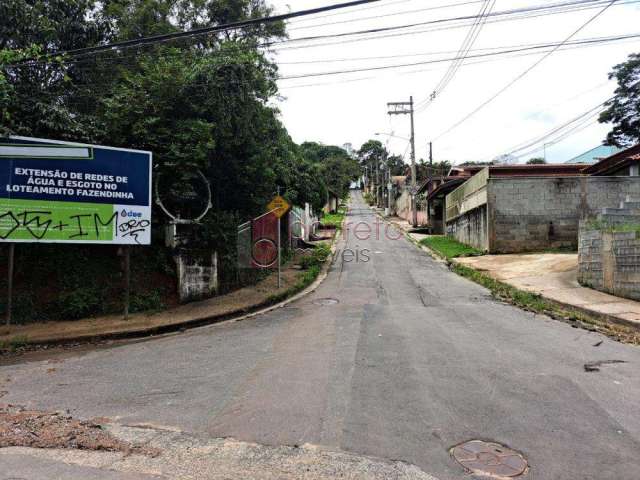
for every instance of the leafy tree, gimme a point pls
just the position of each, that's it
(624, 109)
(198, 103)
(337, 168)
(396, 164)
(435, 169)
(536, 161)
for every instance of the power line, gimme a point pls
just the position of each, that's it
(555, 47)
(444, 52)
(499, 55)
(387, 15)
(525, 72)
(206, 30)
(380, 5)
(501, 13)
(466, 46)
(527, 15)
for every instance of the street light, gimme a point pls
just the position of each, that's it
(392, 135)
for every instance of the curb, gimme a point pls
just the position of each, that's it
(233, 316)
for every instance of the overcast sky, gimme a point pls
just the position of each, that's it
(337, 109)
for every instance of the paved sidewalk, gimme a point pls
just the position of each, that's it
(250, 300)
(237, 302)
(554, 276)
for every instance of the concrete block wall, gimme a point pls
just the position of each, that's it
(609, 261)
(536, 213)
(471, 228)
(590, 272)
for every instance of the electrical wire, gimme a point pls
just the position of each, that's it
(394, 14)
(466, 46)
(276, 45)
(206, 30)
(554, 47)
(525, 72)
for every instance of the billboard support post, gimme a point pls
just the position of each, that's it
(12, 251)
(127, 280)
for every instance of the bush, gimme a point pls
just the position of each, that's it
(316, 258)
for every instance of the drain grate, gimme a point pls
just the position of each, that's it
(323, 302)
(490, 459)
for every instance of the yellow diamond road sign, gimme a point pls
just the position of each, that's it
(278, 206)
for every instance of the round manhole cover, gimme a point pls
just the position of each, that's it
(323, 302)
(491, 459)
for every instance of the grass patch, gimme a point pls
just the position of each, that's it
(312, 266)
(14, 344)
(448, 247)
(334, 219)
(613, 227)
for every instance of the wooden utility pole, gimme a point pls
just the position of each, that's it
(406, 108)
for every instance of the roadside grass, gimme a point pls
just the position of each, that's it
(311, 265)
(334, 219)
(14, 344)
(536, 303)
(448, 247)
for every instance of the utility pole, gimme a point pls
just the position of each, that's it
(406, 108)
(377, 183)
(389, 186)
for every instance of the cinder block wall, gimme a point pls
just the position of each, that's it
(610, 261)
(538, 213)
(471, 228)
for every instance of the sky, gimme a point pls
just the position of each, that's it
(351, 107)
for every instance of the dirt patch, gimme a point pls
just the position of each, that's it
(28, 428)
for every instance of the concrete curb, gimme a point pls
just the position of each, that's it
(240, 314)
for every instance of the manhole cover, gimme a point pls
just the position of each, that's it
(492, 459)
(326, 301)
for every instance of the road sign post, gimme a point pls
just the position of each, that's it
(279, 206)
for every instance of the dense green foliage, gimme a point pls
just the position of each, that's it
(536, 161)
(201, 103)
(624, 109)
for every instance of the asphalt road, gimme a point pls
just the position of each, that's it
(409, 362)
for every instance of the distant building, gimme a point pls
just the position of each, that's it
(595, 155)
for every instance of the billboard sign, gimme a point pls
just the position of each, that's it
(62, 192)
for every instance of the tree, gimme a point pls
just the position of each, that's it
(396, 164)
(436, 169)
(336, 167)
(623, 111)
(536, 161)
